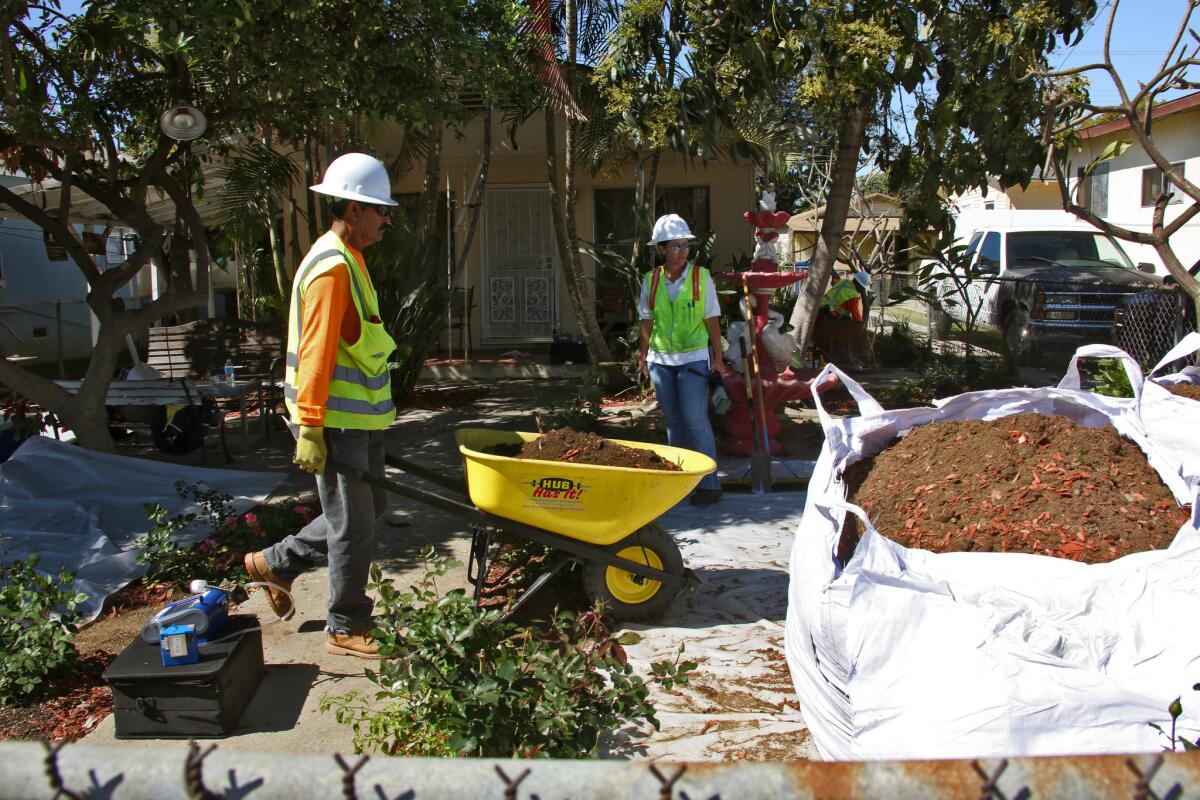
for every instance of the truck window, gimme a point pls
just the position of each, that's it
(1067, 248)
(989, 253)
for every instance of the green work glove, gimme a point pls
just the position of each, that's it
(310, 449)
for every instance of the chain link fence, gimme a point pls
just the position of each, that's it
(1151, 322)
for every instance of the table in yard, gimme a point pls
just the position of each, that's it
(240, 390)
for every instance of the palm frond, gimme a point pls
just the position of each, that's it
(255, 179)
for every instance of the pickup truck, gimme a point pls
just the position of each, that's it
(1042, 287)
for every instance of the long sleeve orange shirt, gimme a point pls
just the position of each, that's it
(329, 314)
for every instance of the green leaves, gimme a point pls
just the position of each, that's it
(1113, 150)
(462, 681)
(36, 615)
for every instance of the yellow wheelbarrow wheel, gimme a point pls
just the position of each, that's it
(630, 597)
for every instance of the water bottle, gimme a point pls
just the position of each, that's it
(229, 372)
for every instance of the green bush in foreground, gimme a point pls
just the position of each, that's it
(460, 681)
(34, 646)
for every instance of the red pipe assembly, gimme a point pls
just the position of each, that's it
(762, 280)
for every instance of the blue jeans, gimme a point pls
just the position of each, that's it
(682, 394)
(343, 537)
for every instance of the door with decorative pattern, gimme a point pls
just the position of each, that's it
(519, 265)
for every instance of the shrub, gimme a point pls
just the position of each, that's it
(458, 680)
(949, 374)
(901, 346)
(35, 647)
(218, 557)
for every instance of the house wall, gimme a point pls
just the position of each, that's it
(1038, 195)
(731, 192)
(1176, 137)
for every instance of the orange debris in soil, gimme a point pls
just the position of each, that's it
(1029, 483)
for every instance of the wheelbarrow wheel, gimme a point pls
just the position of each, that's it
(630, 597)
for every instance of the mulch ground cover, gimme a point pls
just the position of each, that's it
(1188, 390)
(574, 447)
(1029, 483)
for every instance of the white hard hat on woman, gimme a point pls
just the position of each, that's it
(668, 228)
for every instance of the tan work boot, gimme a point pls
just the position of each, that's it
(257, 569)
(359, 645)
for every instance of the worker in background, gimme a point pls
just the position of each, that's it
(679, 342)
(844, 298)
(339, 399)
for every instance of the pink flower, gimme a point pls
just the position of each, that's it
(251, 519)
(302, 510)
(229, 522)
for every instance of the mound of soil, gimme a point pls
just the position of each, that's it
(571, 446)
(1029, 483)
(1188, 390)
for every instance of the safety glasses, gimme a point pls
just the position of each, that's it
(383, 211)
(676, 247)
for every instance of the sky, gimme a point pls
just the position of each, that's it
(1142, 33)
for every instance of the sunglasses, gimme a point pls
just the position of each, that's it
(383, 211)
(675, 248)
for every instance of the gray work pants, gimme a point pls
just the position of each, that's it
(344, 535)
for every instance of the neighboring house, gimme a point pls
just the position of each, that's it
(40, 281)
(1122, 190)
(43, 313)
(519, 295)
(1042, 193)
(870, 234)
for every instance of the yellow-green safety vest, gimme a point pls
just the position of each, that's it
(360, 390)
(841, 292)
(679, 325)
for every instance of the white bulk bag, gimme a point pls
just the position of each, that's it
(903, 653)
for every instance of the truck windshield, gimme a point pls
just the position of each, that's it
(1068, 248)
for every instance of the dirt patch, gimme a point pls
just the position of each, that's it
(1189, 390)
(76, 704)
(571, 446)
(1029, 483)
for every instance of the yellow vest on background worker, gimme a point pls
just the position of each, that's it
(844, 299)
(679, 325)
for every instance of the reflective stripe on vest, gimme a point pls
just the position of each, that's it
(360, 385)
(679, 323)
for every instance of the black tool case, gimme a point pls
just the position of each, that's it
(187, 701)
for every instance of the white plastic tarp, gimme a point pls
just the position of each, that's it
(903, 653)
(82, 511)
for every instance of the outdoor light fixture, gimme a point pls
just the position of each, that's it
(182, 123)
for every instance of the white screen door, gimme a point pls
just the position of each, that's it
(519, 265)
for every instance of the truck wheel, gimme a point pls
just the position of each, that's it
(937, 321)
(629, 597)
(1018, 337)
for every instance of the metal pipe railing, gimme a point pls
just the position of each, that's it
(34, 771)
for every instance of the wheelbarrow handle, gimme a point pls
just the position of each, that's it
(480, 517)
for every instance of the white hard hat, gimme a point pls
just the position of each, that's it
(864, 279)
(357, 176)
(668, 228)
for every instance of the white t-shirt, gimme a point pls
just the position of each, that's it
(712, 308)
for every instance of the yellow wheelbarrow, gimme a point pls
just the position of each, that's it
(595, 516)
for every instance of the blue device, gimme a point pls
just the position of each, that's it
(178, 645)
(206, 613)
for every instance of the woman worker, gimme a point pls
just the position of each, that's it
(679, 342)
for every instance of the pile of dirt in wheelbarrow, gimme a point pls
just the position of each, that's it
(1029, 483)
(1189, 390)
(565, 444)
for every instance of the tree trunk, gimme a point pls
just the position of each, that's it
(475, 200)
(430, 190)
(273, 239)
(837, 206)
(568, 239)
(310, 179)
